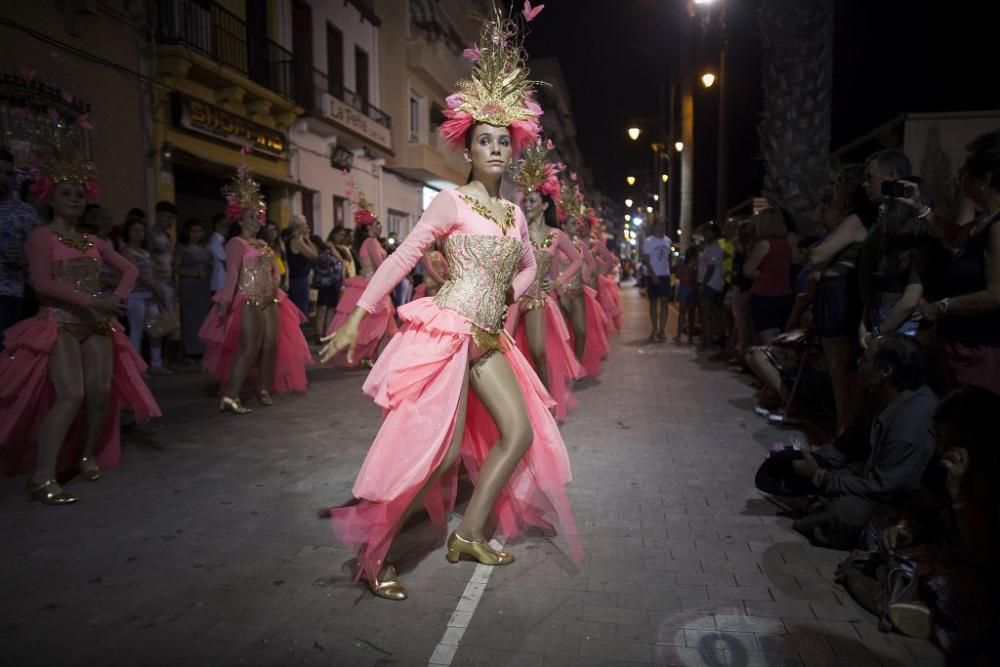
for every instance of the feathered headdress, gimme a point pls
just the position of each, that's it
(52, 141)
(572, 203)
(535, 172)
(243, 194)
(498, 91)
(363, 211)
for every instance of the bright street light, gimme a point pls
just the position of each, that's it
(628, 216)
(633, 133)
(704, 2)
(637, 222)
(678, 146)
(630, 180)
(656, 197)
(628, 203)
(665, 177)
(649, 209)
(708, 79)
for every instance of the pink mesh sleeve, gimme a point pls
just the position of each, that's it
(435, 223)
(526, 275)
(39, 249)
(566, 248)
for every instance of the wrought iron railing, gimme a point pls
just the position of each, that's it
(226, 38)
(309, 94)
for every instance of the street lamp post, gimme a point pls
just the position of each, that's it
(660, 176)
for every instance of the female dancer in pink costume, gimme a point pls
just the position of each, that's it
(380, 324)
(68, 371)
(579, 298)
(535, 321)
(435, 273)
(254, 323)
(452, 382)
(606, 282)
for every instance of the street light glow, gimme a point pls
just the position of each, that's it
(665, 177)
(656, 197)
(628, 217)
(630, 180)
(678, 146)
(708, 79)
(637, 222)
(704, 2)
(628, 203)
(649, 209)
(633, 133)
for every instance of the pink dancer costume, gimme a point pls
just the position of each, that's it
(252, 281)
(418, 382)
(562, 364)
(596, 345)
(607, 285)
(435, 274)
(381, 320)
(66, 277)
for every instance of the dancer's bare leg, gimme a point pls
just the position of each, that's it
(66, 373)
(578, 320)
(98, 362)
(251, 334)
(534, 328)
(500, 393)
(268, 347)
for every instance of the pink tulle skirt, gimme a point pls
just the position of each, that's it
(221, 336)
(596, 346)
(418, 382)
(26, 395)
(610, 298)
(560, 362)
(374, 327)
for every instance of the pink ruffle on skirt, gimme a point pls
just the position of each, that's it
(26, 395)
(374, 327)
(560, 360)
(221, 336)
(596, 346)
(610, 298)
(418, 382)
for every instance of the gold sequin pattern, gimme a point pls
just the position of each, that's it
(257, 279)
(65, 317)
(81, 273)
(534, 297)
(483, 210)
(481, 270)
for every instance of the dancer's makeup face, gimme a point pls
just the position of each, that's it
(534, 205)
(69, 200)
(490, 150)
(250, 222)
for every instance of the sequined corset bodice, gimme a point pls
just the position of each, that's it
(81, 273)
(575, 284)
(481, 270)
(534, 296)
(257, 278)
(439, 265)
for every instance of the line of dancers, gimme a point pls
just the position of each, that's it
(517, 306)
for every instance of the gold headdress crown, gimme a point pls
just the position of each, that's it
(572, 203)
(243, 194)
(498, 91)
(535, 172)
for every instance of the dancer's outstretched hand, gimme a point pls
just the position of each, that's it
(344, 338)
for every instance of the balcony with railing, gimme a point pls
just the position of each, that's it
(341, 107)
(215, 32)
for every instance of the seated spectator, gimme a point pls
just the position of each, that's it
(949, 533)
(968, 316)
(769, 264)
(900, 442)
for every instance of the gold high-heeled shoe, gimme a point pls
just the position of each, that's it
(44, 494)
(233, 405)
(264, 397)
(481, 551)
(386, 585)
(90, 474)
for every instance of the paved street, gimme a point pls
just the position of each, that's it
(209, 545)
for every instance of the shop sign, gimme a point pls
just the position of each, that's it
(344, 114)
(200, 117)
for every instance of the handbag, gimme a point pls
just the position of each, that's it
(162, 325)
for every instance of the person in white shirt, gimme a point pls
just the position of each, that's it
(656, 258)
(217, 247)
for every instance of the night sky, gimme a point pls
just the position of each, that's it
(889, 57)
